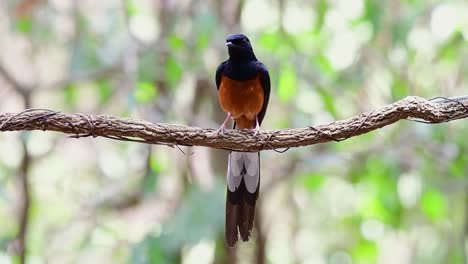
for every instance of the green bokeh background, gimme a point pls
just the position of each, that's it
(396, 195)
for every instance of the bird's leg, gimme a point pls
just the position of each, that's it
(223, 126)
(257, 126)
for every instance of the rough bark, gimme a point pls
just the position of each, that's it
(80, 125)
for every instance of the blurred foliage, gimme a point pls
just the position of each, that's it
(397, 195)
(193, 222)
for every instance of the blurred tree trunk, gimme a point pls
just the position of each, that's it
(24, 191)
(260, 253)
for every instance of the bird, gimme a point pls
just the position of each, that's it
(243, 84)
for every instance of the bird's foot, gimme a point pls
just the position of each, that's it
(257, 127)
(256, 130)
(221, 129)
(223, 126)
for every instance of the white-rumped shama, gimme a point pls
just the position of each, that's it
(243, 85)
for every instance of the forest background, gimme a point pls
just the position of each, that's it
(396, 195)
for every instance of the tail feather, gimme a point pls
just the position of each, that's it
(246, 220)
(240, 202)
(232, 214)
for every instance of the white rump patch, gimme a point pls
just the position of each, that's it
(243, 164)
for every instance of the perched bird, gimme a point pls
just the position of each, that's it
(243, 85)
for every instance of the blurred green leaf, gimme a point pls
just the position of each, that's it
(373, 13)
(175, 42)
(71, 94)
(283, 123)
(313, 182)
(415, 3)
(145, 92)
(399, 89)
(400, 29)
(373, 207)
(321, 7)
(150, 182)
(433, 205)
(382, 202)
(458, 166)
(456, 255)
(438, 134)
(365, 252)
(132, 8)
(287, 86)
(203, 40)
(173, 71)
(328, 101)
(270, 40)
(15, 259)
(449, 53)
(158, 165)
(24, 24)
(450, 50)
(105, 91)
(323, 64)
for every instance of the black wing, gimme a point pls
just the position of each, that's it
(265, 81)
(219, 71)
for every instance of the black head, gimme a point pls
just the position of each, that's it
(239, 48)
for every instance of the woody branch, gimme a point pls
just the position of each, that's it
(83, 125)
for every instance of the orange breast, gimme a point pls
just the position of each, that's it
(243, 99)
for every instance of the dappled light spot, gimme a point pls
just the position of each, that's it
(144, 27)
(260, 15)
(445, 19)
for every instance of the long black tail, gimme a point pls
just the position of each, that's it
(241, 195)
